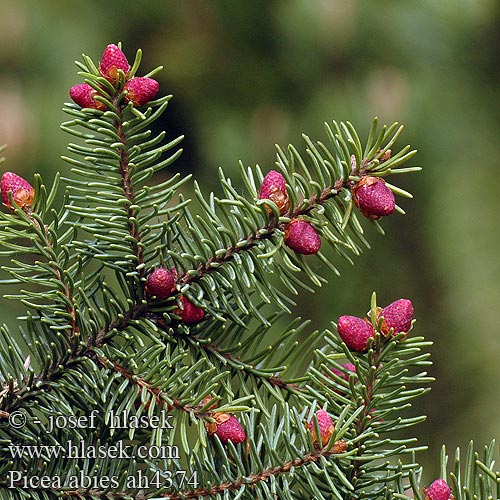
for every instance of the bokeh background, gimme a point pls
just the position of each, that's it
(249, 74)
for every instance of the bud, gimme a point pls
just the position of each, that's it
(141, 90)
(326, 427)
(161, 283)
(112, 60)
(339, 446)
(274, 188)
(386, 156)
(398, 316)
(189, 313)
(23, 193)
(373, 197)
(302, 238)
(227, 427)
(83, 95)
(205, 401)
(355, 332)
(438, 490)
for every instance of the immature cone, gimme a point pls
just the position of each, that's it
(273, 188)
(398, 316)
(349, 367)
(83, 94)
(189, 312)
(112, 60)
(373, 197)
(227, 427)
(23, 193)
(326, 427)
(301, 237)
(141, 90)
(438, 490)
(161, 282)
(355, 332)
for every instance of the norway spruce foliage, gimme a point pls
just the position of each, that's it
(150, 363)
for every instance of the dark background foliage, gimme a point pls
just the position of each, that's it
(246, 75)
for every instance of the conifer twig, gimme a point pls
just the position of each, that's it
(338, 447)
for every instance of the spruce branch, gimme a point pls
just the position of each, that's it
(339, 447)
(248, 481)
(157, 392)
(16, 393)
(100, 336)
(238, 364)
(91, 348)
(470, 473)
(378, 382)
(55, 306)
(324, 201)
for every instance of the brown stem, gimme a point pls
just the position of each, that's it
(118, 323)
(71, 310)
(137, 249)
(252, 479)
(361, 426)
(185, 278)
(338, 447)
(145, 385)
(264, 233)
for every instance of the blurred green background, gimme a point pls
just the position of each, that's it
(248, 74)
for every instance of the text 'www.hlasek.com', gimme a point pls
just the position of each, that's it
(88, 449)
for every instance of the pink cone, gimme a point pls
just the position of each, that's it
(227, 427)
(160, 283)
(343, 374)
(326, 427)
(112, 60)
(273, 188)
(438, 490)
(397, 315)
(189, 312)
(373, 197)
(302, 238)
(141, 90)
(355, 332)
(23, 193)
(83, 95)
